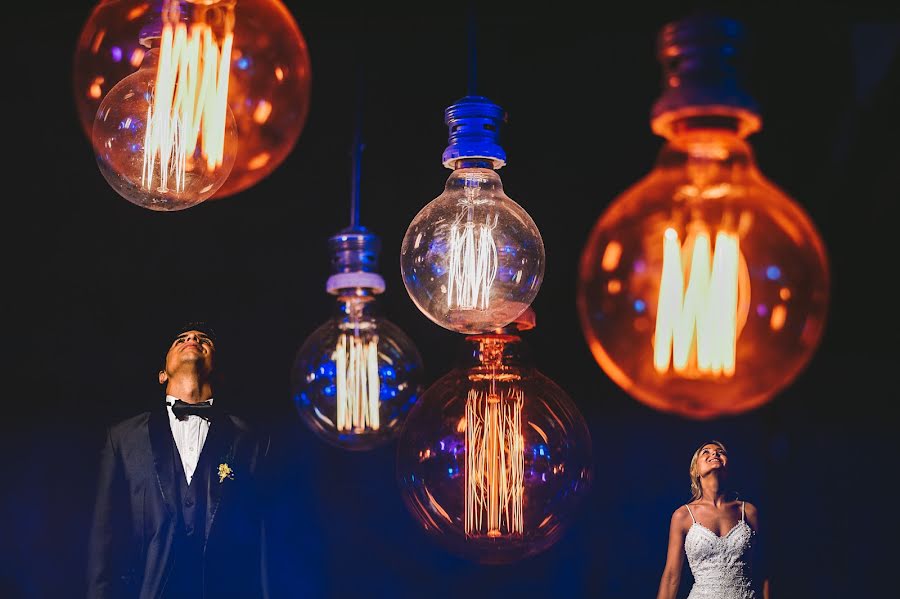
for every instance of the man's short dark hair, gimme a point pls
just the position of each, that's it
(196, 325)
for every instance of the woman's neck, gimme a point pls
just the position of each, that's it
(713, 489)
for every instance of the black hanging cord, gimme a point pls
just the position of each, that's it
(356, 149)
(472, 38)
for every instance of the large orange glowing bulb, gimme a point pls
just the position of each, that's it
(703, 289)
(268, 72)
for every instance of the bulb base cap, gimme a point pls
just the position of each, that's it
(700, 58)
(474, 123)
(354, 260)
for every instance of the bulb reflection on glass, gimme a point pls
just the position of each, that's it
(495, 458)
(356, 377)
(268, 71)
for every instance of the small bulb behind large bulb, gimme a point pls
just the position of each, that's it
(163, 140)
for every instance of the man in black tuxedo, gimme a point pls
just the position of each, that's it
(179, 507)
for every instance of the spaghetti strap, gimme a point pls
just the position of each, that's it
(690, 512)
(743, 503)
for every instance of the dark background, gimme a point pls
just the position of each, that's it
(93, 284)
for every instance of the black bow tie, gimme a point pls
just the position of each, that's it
(182, 409)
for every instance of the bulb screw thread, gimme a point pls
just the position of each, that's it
(700, 58)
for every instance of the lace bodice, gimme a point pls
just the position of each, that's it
(720, 565)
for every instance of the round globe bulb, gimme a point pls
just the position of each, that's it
(494, 459)
(269, 75)
(472, 259)
(143, 153)
(703, 289)
(356, 377)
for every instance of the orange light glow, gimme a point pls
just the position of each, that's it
(269, 72)
(96, 88)
(189, 104)
(258, 161)
(98, 40)
(779, 315)
(495, 463)
(137, 12)
(611, 256)
(688, 278)
(136, 57)
(262, 112)
(696, 327)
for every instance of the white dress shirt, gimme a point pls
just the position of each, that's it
(190, 435)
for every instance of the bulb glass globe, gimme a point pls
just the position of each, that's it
(494, 459)
(472, 260)
(356, 377)
(268, 76)
(703, 289)
(160, 157)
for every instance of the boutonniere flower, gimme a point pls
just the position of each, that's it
(225, 471)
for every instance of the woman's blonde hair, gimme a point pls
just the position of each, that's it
(696, 489)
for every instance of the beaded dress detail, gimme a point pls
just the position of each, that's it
(720, 565)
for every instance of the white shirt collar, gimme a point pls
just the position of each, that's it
(171, 399)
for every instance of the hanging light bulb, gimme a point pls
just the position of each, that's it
(703, 289)
(495, 458)
(472, 259)
(356, 377)
(164, 136)
(264, 73)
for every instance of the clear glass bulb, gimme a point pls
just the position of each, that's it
(494, 459)
(472, 259)
(703, 289)
(269, 76)
(356, 377)
(164, 141)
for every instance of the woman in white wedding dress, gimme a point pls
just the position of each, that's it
(717, 532)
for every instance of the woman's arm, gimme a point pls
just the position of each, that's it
(760, 559)
(671, 576)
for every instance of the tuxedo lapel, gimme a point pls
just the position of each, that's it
(218, 449)
(163, 458)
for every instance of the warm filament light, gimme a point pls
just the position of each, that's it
(357, 383)
(473, 262)
(189, 104)
(495, 466)
(697, 327)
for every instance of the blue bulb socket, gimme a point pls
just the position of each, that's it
(474, 123)
(700, 58)
(354, 261)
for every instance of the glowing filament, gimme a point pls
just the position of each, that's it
(495, 463)
(473, 262)
(697, 327)
(358, 385)
(189, 106)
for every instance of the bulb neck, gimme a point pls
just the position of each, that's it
(700, 58)
(494, 352)
(356, 304)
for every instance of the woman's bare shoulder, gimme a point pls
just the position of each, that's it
(681, 517)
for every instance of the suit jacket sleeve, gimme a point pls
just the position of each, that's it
(107, 548)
